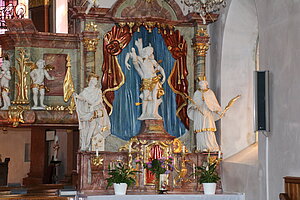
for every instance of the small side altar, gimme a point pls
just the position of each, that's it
(152, 142)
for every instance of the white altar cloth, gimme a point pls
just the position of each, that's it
(170, 197)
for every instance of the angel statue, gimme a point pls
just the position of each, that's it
(91, 3)
(204, 111)
(38, 85)
(152, 75)
(5, 77)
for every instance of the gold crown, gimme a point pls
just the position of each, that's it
(93, 75)
(201, 78)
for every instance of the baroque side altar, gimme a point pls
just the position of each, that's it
(119, 81)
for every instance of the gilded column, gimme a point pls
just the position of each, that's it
(90, 41)
(200, 45)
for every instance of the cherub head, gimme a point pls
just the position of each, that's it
(40, 63)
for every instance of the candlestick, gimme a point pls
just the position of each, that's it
(129, 148)
(194, 171)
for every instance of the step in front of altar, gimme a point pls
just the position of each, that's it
(177, 196)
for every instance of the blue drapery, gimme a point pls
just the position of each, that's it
(124, 120)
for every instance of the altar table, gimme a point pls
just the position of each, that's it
(238, 196)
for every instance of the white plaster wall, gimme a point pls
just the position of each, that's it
(237, 66)
(12, 145)
(231, 63)
(240, 173)
(62, 152)
(279, 30)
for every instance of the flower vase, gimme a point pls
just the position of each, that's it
(120, 188)
(209, 188)
(161, 183)
(156, 183)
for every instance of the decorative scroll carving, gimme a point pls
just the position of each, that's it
(15, 114)
(90, 26)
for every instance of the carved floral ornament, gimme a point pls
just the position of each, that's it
(90, 43)
(91, 26)
(201, 48)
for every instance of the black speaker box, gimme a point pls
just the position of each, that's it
(261, 101)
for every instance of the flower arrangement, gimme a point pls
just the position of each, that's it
(159, 166)
(207, 173)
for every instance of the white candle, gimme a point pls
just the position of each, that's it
(183, 149)
(97, 152)
(219, 155)
(194, 171)
(129, 148)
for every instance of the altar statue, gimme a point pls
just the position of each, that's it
(94, 124)
(5, 77)
(148, 68)
(37, 76)
(55, 148)
(204, 111)
(92, 3)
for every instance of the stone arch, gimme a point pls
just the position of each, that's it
(238, 61)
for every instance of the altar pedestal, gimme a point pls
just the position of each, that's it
(153, 142)
(153, 129)
(92, 170)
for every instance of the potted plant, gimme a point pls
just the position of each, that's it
(121, 177)
(207, 175)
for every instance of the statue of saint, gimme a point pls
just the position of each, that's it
(5, 77)
(94, 124)
(92, 3)
(37, 76)
(204, 111)
(148, 68)
(55, 148)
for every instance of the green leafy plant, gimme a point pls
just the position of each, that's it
(207, 173)
(121, 174)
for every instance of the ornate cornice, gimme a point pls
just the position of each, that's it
(39, 39)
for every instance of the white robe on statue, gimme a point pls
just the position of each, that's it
(94, 124)
(204, 114)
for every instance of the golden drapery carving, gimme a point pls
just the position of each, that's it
(69, 86)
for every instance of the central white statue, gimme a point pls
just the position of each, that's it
(5, 77)
(148, 68)
(94, 124)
